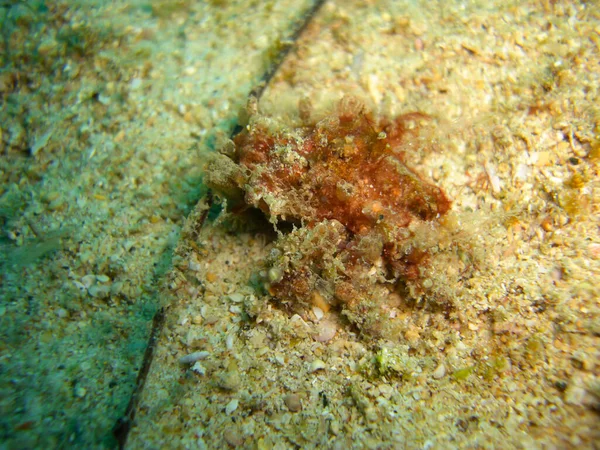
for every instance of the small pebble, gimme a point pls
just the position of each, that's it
(99, 291)
(88, 280)
(231, 406)
(230, 380)
(135, 84)
(199, 368)
(317, 364)
(325, 331)
(229, 341)
(193, 357)
(275, 274)
(236, 297)
(194, 265)
(80, 392)
(40, 142)
(439, 372)
(318, 312)
(293, 402)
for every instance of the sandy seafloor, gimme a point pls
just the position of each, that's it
(109, 110)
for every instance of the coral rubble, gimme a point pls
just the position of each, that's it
(344, 185)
